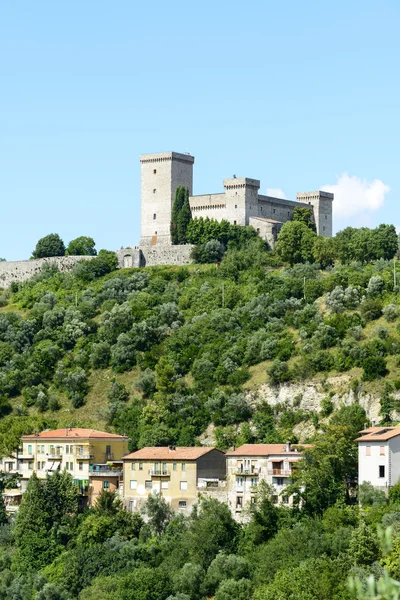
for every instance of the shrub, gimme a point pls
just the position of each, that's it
(390, 312)
(326, 407)
(375, 286)
(210, 252)
(371, 309)
(278, 372)
(373, 367)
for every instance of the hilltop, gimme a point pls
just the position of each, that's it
(179, 354)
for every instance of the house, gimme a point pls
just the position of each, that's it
(250, 464)
(379, 456)
(93, 458)
(177, 473)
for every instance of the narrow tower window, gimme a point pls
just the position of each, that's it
(154, 191)
(154, 171)
(154, 217)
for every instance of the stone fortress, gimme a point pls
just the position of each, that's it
(161, 174)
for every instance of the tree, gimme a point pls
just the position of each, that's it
(295, 243)
(363, 548)
(81, 246)
(385, 241)
(50, 245)
(158, 512)
(184, 218)
(324, 251)
(304, 215)
(181, 215)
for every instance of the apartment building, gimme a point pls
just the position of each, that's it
(93, 458)
(379, 456)
(179, 474)
(249, 464)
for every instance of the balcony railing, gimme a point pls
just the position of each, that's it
(280, 472)
(159, 473)
(247, 472)
(104, 471)
(54, 455)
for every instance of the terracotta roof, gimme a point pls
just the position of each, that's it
(166, 453)
(266, 449)
(69, 433)
(376, 434)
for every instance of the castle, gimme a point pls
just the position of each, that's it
(161, 174)
(240, 203)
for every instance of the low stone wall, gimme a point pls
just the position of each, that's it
(166, 255)
(18, 271)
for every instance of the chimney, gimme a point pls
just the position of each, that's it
(288, 447)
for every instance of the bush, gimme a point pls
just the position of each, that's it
(373, 367)
(371, 309)
(326, 407)
(210, 252)
(278, 372)
(390, 312)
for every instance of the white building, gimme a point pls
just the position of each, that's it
(379, 456)
(251, 463)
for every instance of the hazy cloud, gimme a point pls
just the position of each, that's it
(276, 193)
(357, 198)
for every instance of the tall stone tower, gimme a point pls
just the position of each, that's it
(241, 196)
(161, 174)
(321, 203)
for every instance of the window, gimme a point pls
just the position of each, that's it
(367, 450)
(323, 228)
(239, 481)
(183, 466)
(154, 171)
(258, 230)
(252, 500)
(254, 480)
(275, 499)
(38, 466)
(274, 211)
(235, 205)
(140, 466)
(154, 216)
(182, 504)
(108, 451)
(156, 467)
(147, 485)
(239, 501)
(30, 449)
(42, 448)
(67, 449)
(234, 222)
(382, 451)
(154, 191)
(164, 485)
(183, 486)
(30, 466)
(133, 484)
(174, 466)
(381, 470)
(81, 466)
(43, 463)
(133, 466)
(279, 481)
(106, 485)
(164, 467)
(285, 500)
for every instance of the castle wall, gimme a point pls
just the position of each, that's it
(166, 255)
(129, 257)
(18, 271)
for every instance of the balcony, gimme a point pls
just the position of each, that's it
(280, 472)
(104, 471)
(54, 456)
(25, 456)
(247, 472)
(159, 473)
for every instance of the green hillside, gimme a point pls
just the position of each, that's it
(161, 353)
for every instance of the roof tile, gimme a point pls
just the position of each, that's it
(167, 453)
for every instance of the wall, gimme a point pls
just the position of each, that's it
(17, 271)
(368, 466)
(165, 255)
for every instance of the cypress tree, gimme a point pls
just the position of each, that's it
(184, 218)
(179, 200)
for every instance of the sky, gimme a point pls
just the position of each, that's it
(301, 95)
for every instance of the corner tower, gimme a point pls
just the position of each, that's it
(161, 174)
(321, 203)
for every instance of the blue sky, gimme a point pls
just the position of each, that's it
(301, 95)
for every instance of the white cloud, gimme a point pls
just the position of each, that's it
(276, 193)
(356, 198)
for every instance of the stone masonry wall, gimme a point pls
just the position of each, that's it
(17, 271)
(166, 255)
